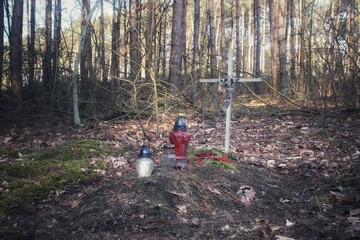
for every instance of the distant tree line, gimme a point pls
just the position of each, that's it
(147, 51)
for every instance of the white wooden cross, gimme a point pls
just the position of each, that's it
(229, 83)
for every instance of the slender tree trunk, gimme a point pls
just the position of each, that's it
(16, 49)
(102, 47)
(135, 57)
(176, 36)
(2, 28)
(222, 37)
(212, 38)
(31, 44)
(183, 38)
(257, 41)
(47, 61)
(250, 41)
(283, 47)
(86, 70)
(57, 38)
(237, 38)
(114, 69)
(195, 55)
(301, 79)
(274, 47)
(292, 42)
(163, 64)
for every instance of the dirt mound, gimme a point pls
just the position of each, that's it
(198, 203)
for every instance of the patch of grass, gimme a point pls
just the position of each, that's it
(41, 172)
(323, 133)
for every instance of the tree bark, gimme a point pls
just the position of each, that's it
(102, 47)
(195, 53)
(211, 43)
(222, 38)
(176, 36)
(57, 38)
(284, 83)
(47, 60)
(135, 56)
(115, 35)
(237, 38)
(1, 43)
(16, 49)
(86, 56)
(31, 44)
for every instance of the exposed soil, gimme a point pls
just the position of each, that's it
(305, 174)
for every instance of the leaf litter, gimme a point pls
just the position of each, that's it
(297, 179)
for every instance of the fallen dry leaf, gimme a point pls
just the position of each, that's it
(247, 194)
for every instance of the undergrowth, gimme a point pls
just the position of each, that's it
(212, 156)
(35, 175)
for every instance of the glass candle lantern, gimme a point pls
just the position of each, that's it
(168, 158)
(144, 164)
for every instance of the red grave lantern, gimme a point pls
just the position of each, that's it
(180, 137)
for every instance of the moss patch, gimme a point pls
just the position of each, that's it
(39, 173)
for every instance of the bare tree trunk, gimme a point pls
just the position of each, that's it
(237, 40)
(301, 79)
(283, 47)
(263, 53)
(212, 39)
(274, 47)
(102, 47)
(257, 41)
(195, 55)
(86, 70)
(57, 38)
(16, 49)
(31, 43)
(114, 69)
(47, 61)
(222, 37)
(292, 42)
(135, 57)
(183, 38)
(176, 36)
(250, 38)
(163, 64)
(2, 28)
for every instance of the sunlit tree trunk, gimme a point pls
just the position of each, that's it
(176, 45)
(274, 47)
(263, 53)
(102, 47)
(301, 79)
(16, 49)
(195, 52)
(211, 43)
(47, 60)
(292, 42)
(237, 40)
(183, 38)
(86, 70)
(31, 43)
(257, 41)
(222, 37)
(284, 82)
(135, 57)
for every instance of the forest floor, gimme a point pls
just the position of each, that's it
(297, 177)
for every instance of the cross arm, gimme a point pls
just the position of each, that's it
(242, 80)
